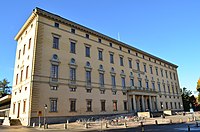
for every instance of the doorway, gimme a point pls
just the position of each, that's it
(18, 111)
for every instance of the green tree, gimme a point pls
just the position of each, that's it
(4, 86)
(186, 98)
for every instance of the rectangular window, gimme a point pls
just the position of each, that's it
(103, 105)
(145, 69)
(153, 85)
(131, 82)
(55, 42)
(147, 85)
(72, 75)
(171, 105)
(159, 87)
(19, 54)
(87, 36)
(29, 44)
(176, 90)
(175, 105)
(111, 58)
(170, 74)
(21, 77)
(151, 70)
(125, 106)
(157, 71)
(166, 73)
(27, 71)
(130, 63)
(161, 105)
(73, 47)
(120, 48)
(173, 89)
(53, 105)
(166, 105)
(16, 79)
(101, 79)
(110, 44)
(13, 108)
(164, 88)
(89, 105)
(138, 66)
(24, 50)
(100, 54)
(73, 30)
(99, 40)
(88, 77)
(123, 83)
(87, 51)
(72, 105)
(129, 51)
(121, 61)
(140, 83)
(168, 89)
(113, 81)
(24, 106)
(179, 105)
(56, 24)
(161, 70)
(174, 76)
(114, 105)
(54, 72)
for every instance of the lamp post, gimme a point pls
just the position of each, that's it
(45, 108)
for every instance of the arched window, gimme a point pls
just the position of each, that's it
(55, 57)
(112, 69)
(72, 61)
(88, 64)
(101, 67)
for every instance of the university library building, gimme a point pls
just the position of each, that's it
(64, 70)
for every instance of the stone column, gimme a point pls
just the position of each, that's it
(134, 104)
(150, 104)
(143, 107)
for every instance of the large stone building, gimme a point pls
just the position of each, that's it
(76, 71)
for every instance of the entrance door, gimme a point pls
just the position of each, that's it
(18, 111)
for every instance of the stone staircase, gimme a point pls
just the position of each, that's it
(15, 122)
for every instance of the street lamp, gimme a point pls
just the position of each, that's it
(45, 108)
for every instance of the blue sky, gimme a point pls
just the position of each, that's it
(169, 29)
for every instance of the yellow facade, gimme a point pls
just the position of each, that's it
(39, 84)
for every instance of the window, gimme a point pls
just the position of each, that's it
(72, 105)
(87, 51)
(16, 79)
(125, 106)
(140, 83)
(159, 87)
(157, 71)
(179, 105)
(131, 82)
(161, 105)
(161, 70)
(176, 90)
(73, 47)
(100, 53)
(171, 105)
(53, 105)
(54, 87)
(164, 88)
(73, 30)
(19, 54)
(129, 51)
(101, 79)
(24, 106)
(13, 108)
(110, 44)
(120, 48)
(145, 69)
(175, 105)
(153, 85)
(87, 36)
(99, 40)
(174, 76)
(114, 105)
(111, 58)
(147, 84)
(168, 88)
(88, 77)
(121, 61)
(55, 42)
(151, 70)
(113, 81)
(136, 54)
(130, 63)
(24, 50)
(27, 72)
(72, 75)
(103, 105)
(166, 103)
(56, 24)
(29, 44)
(89, 105)
(170, 74)
(54, 72)
(138, 66)
(123, 83)
(21, 75)
(166, 73)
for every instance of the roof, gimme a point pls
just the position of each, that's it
(91, 31)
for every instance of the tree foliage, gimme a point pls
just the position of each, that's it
(188, 99)
(4, 86)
